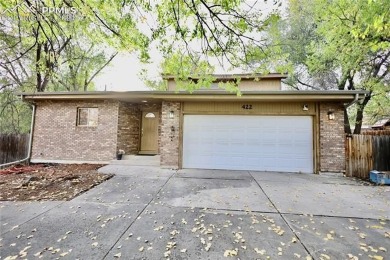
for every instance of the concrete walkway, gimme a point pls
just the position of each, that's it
(151, 213)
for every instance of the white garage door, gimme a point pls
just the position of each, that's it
(262, 143)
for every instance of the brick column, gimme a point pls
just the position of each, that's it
(129, 123)
(332, 138)
(170, 129)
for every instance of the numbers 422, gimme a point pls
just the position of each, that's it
(246, 106)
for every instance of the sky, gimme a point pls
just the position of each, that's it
(123, 74)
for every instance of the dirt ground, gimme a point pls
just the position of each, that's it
(48, 181)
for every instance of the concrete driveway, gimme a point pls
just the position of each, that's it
(151, 213)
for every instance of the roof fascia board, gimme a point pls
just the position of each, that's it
(223, 96)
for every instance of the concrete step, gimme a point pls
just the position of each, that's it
(138, 160)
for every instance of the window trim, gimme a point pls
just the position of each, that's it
(88, 119)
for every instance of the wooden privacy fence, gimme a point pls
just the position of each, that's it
(365, 153)
(13, 147)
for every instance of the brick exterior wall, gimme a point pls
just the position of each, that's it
(332, 138)
(57, 137)
(129, 124)
(169, 149)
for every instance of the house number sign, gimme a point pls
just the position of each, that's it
(246, 106)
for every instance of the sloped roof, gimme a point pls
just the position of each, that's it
(381, 122)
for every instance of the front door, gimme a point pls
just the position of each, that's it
(149, 133)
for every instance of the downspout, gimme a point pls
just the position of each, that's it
(31, 133)
(29, 143)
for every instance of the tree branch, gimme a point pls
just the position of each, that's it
(100, 69)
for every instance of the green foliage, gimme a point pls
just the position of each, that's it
(46, 51)
(356, 42)
(338, 44)
(15, 115)
(183, 67)
(222, 29)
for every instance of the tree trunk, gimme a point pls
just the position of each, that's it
(347, 126)
(86, 81)
(359, 114)
(38, 67)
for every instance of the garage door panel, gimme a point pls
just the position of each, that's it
(264, 143)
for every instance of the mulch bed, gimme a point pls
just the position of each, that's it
(48, 181)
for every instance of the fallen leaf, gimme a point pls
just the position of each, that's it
(14, 227)
(325, 256)
(328, 237)
(159, 228)
(230, 252)
(352, 257)
(261, 252)
(362, 235)
(376, 227)
(118, 255)
(11, 257)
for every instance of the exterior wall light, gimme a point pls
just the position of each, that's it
(305, 107)
(171, 114)
(330, 115)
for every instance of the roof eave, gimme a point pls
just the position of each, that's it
(139, 96)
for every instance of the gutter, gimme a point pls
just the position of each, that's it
(29, 143)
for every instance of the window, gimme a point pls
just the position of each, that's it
(150, 115)
(87, 116)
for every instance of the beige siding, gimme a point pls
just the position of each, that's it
(257, 108)
(262, 84)
(246, 85)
